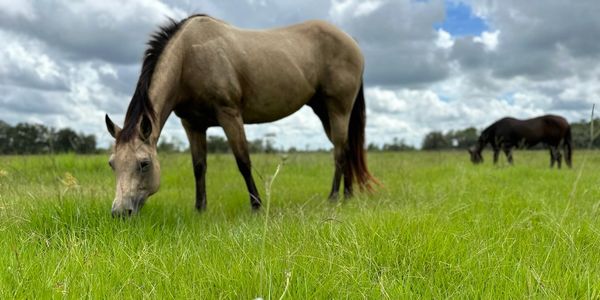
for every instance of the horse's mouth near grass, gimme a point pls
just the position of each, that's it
(138, 203)
(124, 212)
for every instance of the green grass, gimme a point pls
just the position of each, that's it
(439, 228)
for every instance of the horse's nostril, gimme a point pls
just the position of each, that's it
(122, 213)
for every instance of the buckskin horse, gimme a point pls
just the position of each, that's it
(211, 73)
(508, 133)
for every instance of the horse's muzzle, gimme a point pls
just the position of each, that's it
(128, 208)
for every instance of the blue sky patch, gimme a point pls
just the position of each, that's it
(461, 21)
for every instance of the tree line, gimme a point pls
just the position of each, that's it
(25, 138)
(218, 144)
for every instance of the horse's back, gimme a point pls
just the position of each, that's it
(550, 129)
(272, 73)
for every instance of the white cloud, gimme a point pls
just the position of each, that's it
(20, 9)
(444, 39)
(343, 8)
(488, 39)
(24, 62)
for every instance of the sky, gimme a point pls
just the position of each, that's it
(430, 64)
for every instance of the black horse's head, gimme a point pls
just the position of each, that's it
(475, 153)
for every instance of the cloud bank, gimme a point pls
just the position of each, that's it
(430, 65)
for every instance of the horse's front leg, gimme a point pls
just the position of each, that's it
(197, 138)
(552, 157)
(231, 121)
(496, 154)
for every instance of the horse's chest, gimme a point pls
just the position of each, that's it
(197, 114)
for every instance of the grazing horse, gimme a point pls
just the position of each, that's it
(507, 133)
(211, 73)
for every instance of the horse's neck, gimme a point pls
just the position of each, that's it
(164, 88)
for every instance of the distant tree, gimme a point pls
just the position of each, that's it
(435, 140)
(30, 139)
(373, 147)
(166, 147)
(397, 145)
(269, 146)
(87, 144)
(65, 140)
(256, 146)
(581, 134)
(264, 145)
(217, 144)
(462, 139)
(5, 138)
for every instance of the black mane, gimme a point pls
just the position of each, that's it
(140, 104)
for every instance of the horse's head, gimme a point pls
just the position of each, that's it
(136, 167)
(475, 153)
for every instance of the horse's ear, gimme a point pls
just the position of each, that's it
(145, 128)
(112, 128)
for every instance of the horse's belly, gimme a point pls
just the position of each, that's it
(269, 111)
(273, 98)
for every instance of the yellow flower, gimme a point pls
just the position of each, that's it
(69, 181)
(3, 173)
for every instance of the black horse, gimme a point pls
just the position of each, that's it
(508, 133)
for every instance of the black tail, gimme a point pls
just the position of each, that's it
(568, 147)
(356, 156)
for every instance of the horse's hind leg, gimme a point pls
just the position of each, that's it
(555, 156)
(197, 138)
(231, 121)
(339, 137)
(319, 108)
(335, 116)
(508, 153)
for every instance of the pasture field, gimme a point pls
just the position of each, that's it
(439, 228)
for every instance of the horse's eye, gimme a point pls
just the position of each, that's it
(144, 166)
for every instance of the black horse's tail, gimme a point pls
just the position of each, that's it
(568, 147)
(356, 156)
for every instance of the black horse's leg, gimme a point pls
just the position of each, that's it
(508, 153)
(558, 157)
(197, 138)
(552, 156)
(231, 121)
(496, 154)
